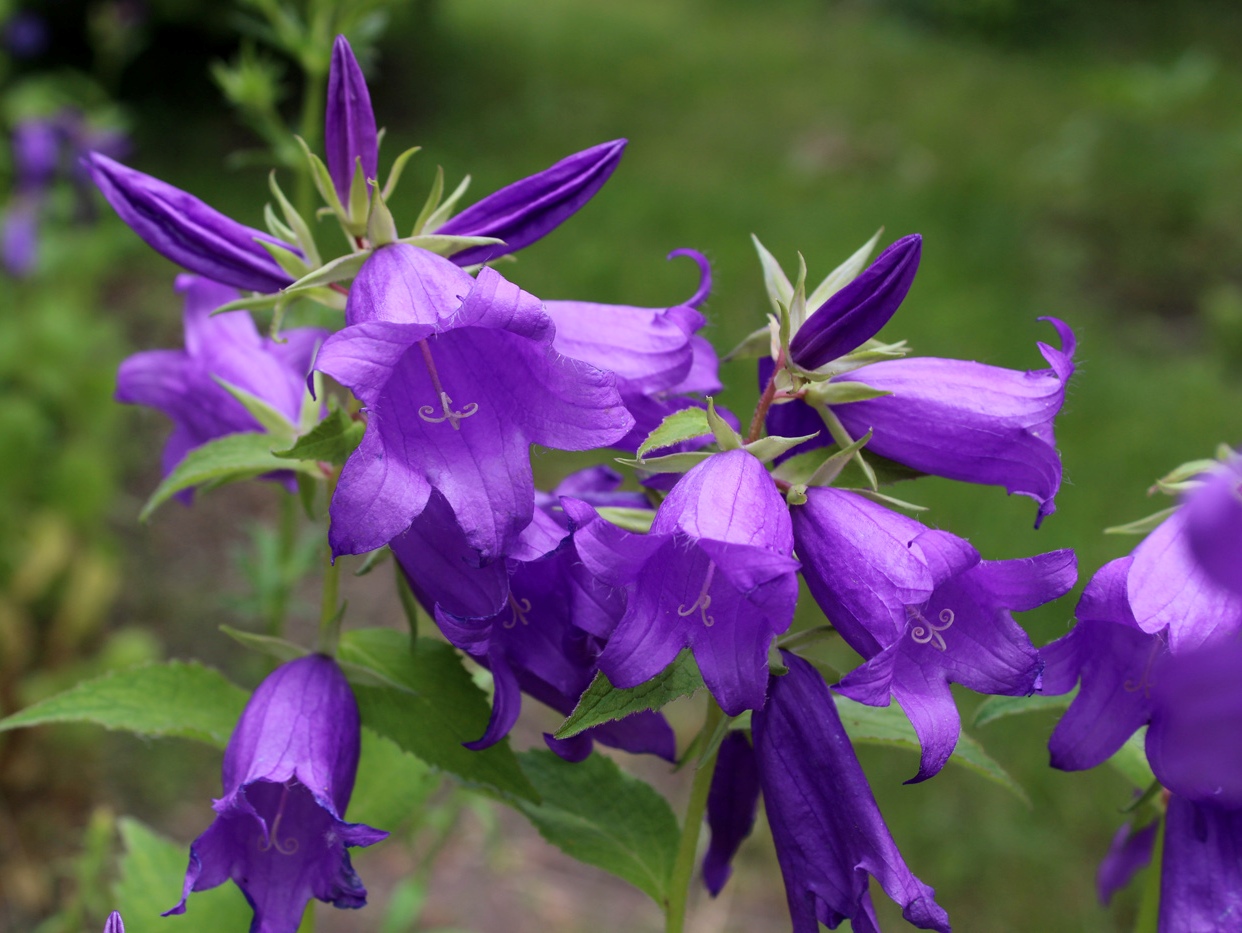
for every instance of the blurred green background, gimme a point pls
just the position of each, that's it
(1076, 160)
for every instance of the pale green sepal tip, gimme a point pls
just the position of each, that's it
(247, 304)
(271, 420)
(1143, 525)
(443, 245)
(775, 282)
(394, 173)
(301, 232)
(881, 498)
(767, 449)
(796, 495)
(278, 648)
(381, 228)
(359, 195)
(673, 463)
(754, 345)
(843, 274)
(338, 270)
(841, 393)
(1186, 471)
(275, 226)
(445, 210)
(831, 468)
(797, 305)
(432, 202)
(322, 180)
(726, 437)
(636, 520)
(290, 262)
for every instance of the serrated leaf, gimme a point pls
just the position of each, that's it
(225, 459)
(446, 710)
(330, 441)
(271, 420)
(888, 725)
(994, 708)
(596, 813)
(677, 427)
(1130, 761)
(174, 698)
(151, 872)
(602, 702)
(391, 786)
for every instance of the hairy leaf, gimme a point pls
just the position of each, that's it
(602, 702)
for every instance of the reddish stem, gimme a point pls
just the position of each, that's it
(765, 402)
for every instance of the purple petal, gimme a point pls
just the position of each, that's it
(114, 924)
(182, 228)
(349, 124)
(968, 421)
(926, 700)
(856, 313)
(642, 733)
(406, 285)
(1128, 853)
(828, 830)
(1214, 525)
(731, 803)
(528, 210)
(1201, 870)
(36, 154)
(506, 705)
(19, 236)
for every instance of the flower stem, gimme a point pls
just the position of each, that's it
(765, 402)
(683, 866)
(329, 611)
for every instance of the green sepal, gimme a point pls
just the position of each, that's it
(672, 463)
(679, 426)
(726, 437)
(767, 449)
(223, 460)
(410, 606)
(842, 393)
(775, 282)
(756, 344)
(636, 520)
(445, 210)
(279, 648)
(359, 200)
(275, 226)
(828, 471)
(445, 245)
(301, 231)
(876, 496)
(289, 261)
(323, 180)
(797, 308)
(1149, 796)
(381, 228)
(251, 303)
(432, 202)
(843, 274)
(602, 702)
(1143, 525)
(271, 420)
(394, 173)
(338, 270)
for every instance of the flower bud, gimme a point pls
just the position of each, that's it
(349, 126)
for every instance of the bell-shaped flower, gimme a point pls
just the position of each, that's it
(661, 363)
(830, 837)
(732, 799)
(1201, 870)
(288, 774)
(183, 383)
(349, 134)
(1214, 524)
(715, 574)
(923, 610)
(530, 209)
(182, 228)
(459, 377)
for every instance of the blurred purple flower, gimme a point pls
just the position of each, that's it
(1214, 524)
(923, 610)
(288, 774)
(826, 825)
(732, 800)
(1201, 869)
(349, 122)
(1129, 852)
(533, 207)
(114, 924)
(182, 383)
(715, 574)
(19, 236)
(25, 34)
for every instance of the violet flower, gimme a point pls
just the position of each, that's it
(828, 831)
(1201, 870)
(114, 924)
(923, 609)
(182, 228)
(182, 383)
(533, 207)
(1214, 524)
(459, 377)
(1128, 853)
(715, 574)
(732, 800)
(288, 774)
(349, 124)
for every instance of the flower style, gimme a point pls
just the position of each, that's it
(923, 609)
(716, 574)
(183, 383)
(288, 774)
(182, 228)
(1214, 524)
(459, 376)
(828, 830)
(350, 138)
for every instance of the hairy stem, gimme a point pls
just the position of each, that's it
(683, 867)
(765, 402)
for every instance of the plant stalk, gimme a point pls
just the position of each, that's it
(683, 866)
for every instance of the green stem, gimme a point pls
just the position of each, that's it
(329, 611)
(683, 866)
(287, 544)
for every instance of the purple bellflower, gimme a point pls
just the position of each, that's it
(660, 362)
(1214, 524)
(288, 774)
(1129, 852)
(182, 383)
(923, 610)
(114, 924)
(826, 825)
(732, 800)
(349, 133)
(533, 207)
(1201, 870)
(182, 228)
(715, 574)
(36, 156)
(459, 377)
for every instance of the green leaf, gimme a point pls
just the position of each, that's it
(330, 441)
(1130, 761)
(888, 725)
(271, 420)
(677, 427)
(172, 698)
(602, 702)
(391, 784)
(151, 874)
(445, 710)
(223, 460)
(994, 708)
(596, 813)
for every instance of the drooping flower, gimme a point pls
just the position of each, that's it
(459, 377)
(830, 837)
(923, 609)
(1214, 524)
(1129, 852)
(715, 574)
(530, 209)
(114, 924)
(349, 136)
(288, 775)
(1201, 871)
(183, 383)
(182, 228)
(732, 800)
